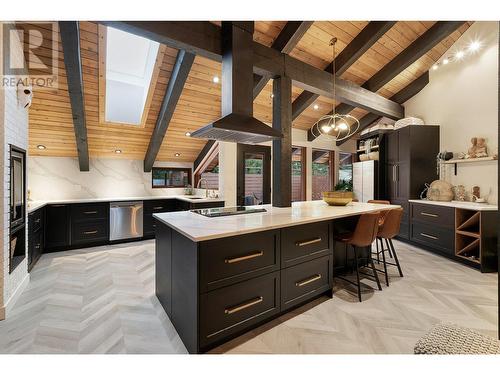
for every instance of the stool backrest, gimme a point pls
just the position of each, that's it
(378, 201)
(392, 222)
(366, 229)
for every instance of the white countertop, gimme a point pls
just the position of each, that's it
(200, 228)
(459, 204)
(34, 205)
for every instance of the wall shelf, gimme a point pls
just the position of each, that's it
(455, 162)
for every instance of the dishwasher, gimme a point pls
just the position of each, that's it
(125, 220)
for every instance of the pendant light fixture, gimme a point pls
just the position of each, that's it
(334, 125)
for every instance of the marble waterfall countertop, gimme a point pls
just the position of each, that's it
(459, 204)
(35, 205)
(200, 228)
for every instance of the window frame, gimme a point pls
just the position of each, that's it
(303, 159)
(331, 168)
(165, 186)
(102, 41)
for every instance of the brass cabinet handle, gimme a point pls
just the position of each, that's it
(245, 305)
(427, 214)
(244, 257)
(158, 208)
(308, 280)
(90, 212)
(429, 236)
(309, 242)
(37, 221)
(37, 246)
(90, 232)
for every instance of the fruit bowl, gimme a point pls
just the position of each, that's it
(338, 198)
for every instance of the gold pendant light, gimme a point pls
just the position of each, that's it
(334, 125)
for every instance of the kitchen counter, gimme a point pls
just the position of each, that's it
(459, 204)
(200, 228)
(35, 205)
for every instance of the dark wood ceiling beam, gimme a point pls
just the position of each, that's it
(285, 42)
(401, 96)
(204, 38)
(349, 55)
(70, 38)
(178, 77)
(423, 44)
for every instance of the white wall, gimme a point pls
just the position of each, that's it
(13, 130)
(228, 153)
(54, 178)
(462, 97)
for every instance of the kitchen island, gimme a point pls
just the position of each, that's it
(217, 277)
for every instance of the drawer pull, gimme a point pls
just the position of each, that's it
(427, 214)
(37, 246)
(37, 221)
(90, 212)
(90, 232)
(245, 305)
(429, 236)
(308, 281)
(244, 257)
(158, 208)
(309, 242)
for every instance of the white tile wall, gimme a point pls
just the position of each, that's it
(14, 123)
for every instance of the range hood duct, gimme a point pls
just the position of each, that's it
(237, 123)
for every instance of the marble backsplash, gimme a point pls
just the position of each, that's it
(54, 178)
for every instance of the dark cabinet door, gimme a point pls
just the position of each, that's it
(404, 141)
(393, 147)
(57, 227)
(403, 180)
(392, 185)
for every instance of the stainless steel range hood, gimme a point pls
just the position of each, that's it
(237, 123)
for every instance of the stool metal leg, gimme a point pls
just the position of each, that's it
(395, 255)
(385, 267)
(375, 274)
(378, 253)
(357, 273)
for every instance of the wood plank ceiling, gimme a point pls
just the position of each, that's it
(51, 121)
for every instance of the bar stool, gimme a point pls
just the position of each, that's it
(363, 236)
(389, 230)
(381, 222)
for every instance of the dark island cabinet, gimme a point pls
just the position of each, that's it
(217, 289)
(57, 227)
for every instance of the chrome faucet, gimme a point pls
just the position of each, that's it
(199, 184)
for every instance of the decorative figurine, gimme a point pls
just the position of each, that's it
(478, 149)
(460, 193)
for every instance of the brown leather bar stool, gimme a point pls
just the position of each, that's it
(381, 222)
(389, 230)
(363, 236)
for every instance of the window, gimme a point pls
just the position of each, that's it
(322, 172)
(345, 166)
(128, 67)
(298, 174)
(254, 177)
(171, 177)
(208, 169)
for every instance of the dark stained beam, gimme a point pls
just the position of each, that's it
(70, 38)
(178, 78)
(285, 42)
(282, 148)
(349, 55)
(423, 44)
(204, 151)
(401, 96)
(204, 38)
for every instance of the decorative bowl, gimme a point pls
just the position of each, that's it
(338, 198)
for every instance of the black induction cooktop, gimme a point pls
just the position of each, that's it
(227, 211)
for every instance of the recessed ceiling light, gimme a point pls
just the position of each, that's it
(188, 134)
(459, 55)
(177, 154)
(434, 67)
(446, 61)
(316, 107)
(41, 147)
(215, 79)
(118, 151)
(474, 46)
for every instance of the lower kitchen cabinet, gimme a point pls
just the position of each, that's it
(35, 236)
(89, 224)
(57, 227)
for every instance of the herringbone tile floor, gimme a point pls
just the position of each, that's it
(101, 300)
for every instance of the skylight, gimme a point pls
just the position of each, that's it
(130, 62)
